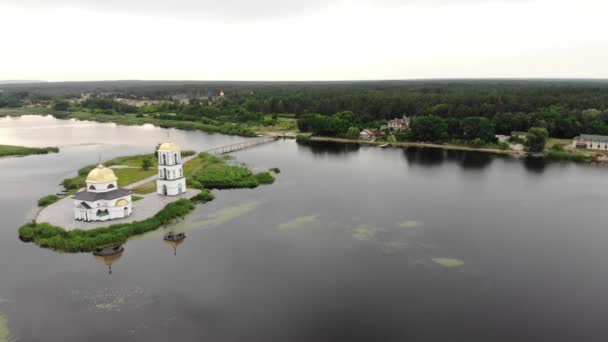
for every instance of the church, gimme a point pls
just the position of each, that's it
(102, 200)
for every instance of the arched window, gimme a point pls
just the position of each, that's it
(92, 187)
(164, 159)
(175, 158)
(111, 186)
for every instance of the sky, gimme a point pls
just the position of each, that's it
(77, 40)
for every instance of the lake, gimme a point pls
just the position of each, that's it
(350, 244)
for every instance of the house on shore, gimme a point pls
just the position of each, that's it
(366, 134)
(591, 142)
(396, 125)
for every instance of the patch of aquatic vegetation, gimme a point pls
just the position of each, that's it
(215, 219)
(364, 232)
(109, 300)
(409, 224)
(448, 262)
(297, 223)
(5, 335)
(228, 214)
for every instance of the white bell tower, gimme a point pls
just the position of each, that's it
(171, 180)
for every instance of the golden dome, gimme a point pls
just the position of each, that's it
(168, 146)
(101, 174)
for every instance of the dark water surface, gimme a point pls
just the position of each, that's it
(340, 248)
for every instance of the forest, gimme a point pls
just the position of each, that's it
(565, 108)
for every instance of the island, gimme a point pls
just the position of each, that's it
(100, 209)
(20, 151)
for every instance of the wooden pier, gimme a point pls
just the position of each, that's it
(241, 146)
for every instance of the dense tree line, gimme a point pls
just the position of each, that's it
(563, 108)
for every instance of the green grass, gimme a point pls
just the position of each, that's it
(212, 172)
(9, 150)
(49, 236)
(130, 176)
(47, 200)
(136, 198)
(133, 161)
(146, 188)
(282, 124)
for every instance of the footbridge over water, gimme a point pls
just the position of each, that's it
(241, 146)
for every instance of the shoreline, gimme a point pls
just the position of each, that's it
(417, 144)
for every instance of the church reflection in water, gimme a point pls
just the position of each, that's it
(109, 255)
(174, 240)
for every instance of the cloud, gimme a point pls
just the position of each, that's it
(241, 9)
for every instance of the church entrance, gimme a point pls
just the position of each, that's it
(126, 211)
(164, 190)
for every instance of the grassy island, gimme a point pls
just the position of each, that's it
(9, 150)
(204, 172)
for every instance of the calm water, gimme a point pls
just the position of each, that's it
(340, 248)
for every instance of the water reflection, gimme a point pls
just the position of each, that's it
(425, 156)
(535, 164)
(174, 240)
(109, 255)
(329, 148)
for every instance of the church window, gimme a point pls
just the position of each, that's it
(92, 187)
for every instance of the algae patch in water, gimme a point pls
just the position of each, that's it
(228, 214)
(4, 332)
(409, 224)
(364, 232)
(297, 223)
(448, 262)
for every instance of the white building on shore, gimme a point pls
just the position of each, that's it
(102, 200)
(591, 142)
(171, 180)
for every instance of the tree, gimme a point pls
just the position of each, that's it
(353, 133)
(477, 128)
(61, 105)
(536, 139)
(428, 128)
(146, 164)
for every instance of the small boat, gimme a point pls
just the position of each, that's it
(385, 145)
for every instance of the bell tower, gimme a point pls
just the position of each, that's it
(171, 180)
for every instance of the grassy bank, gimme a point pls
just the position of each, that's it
(305, 139)
(57, 238)
(210, 126)
(9, 150)
(212, 172)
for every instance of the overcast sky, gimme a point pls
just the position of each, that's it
(65, 40)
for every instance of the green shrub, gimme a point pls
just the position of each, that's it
(275, 170)
(203, 197)
(49, 236)
(303, 139)
(47, 200)
(264, 178)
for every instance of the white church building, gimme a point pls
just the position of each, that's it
(171, 180)
(102, 200)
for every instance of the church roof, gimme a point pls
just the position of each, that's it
(101, 174)
(168, 146)
(96, 196)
